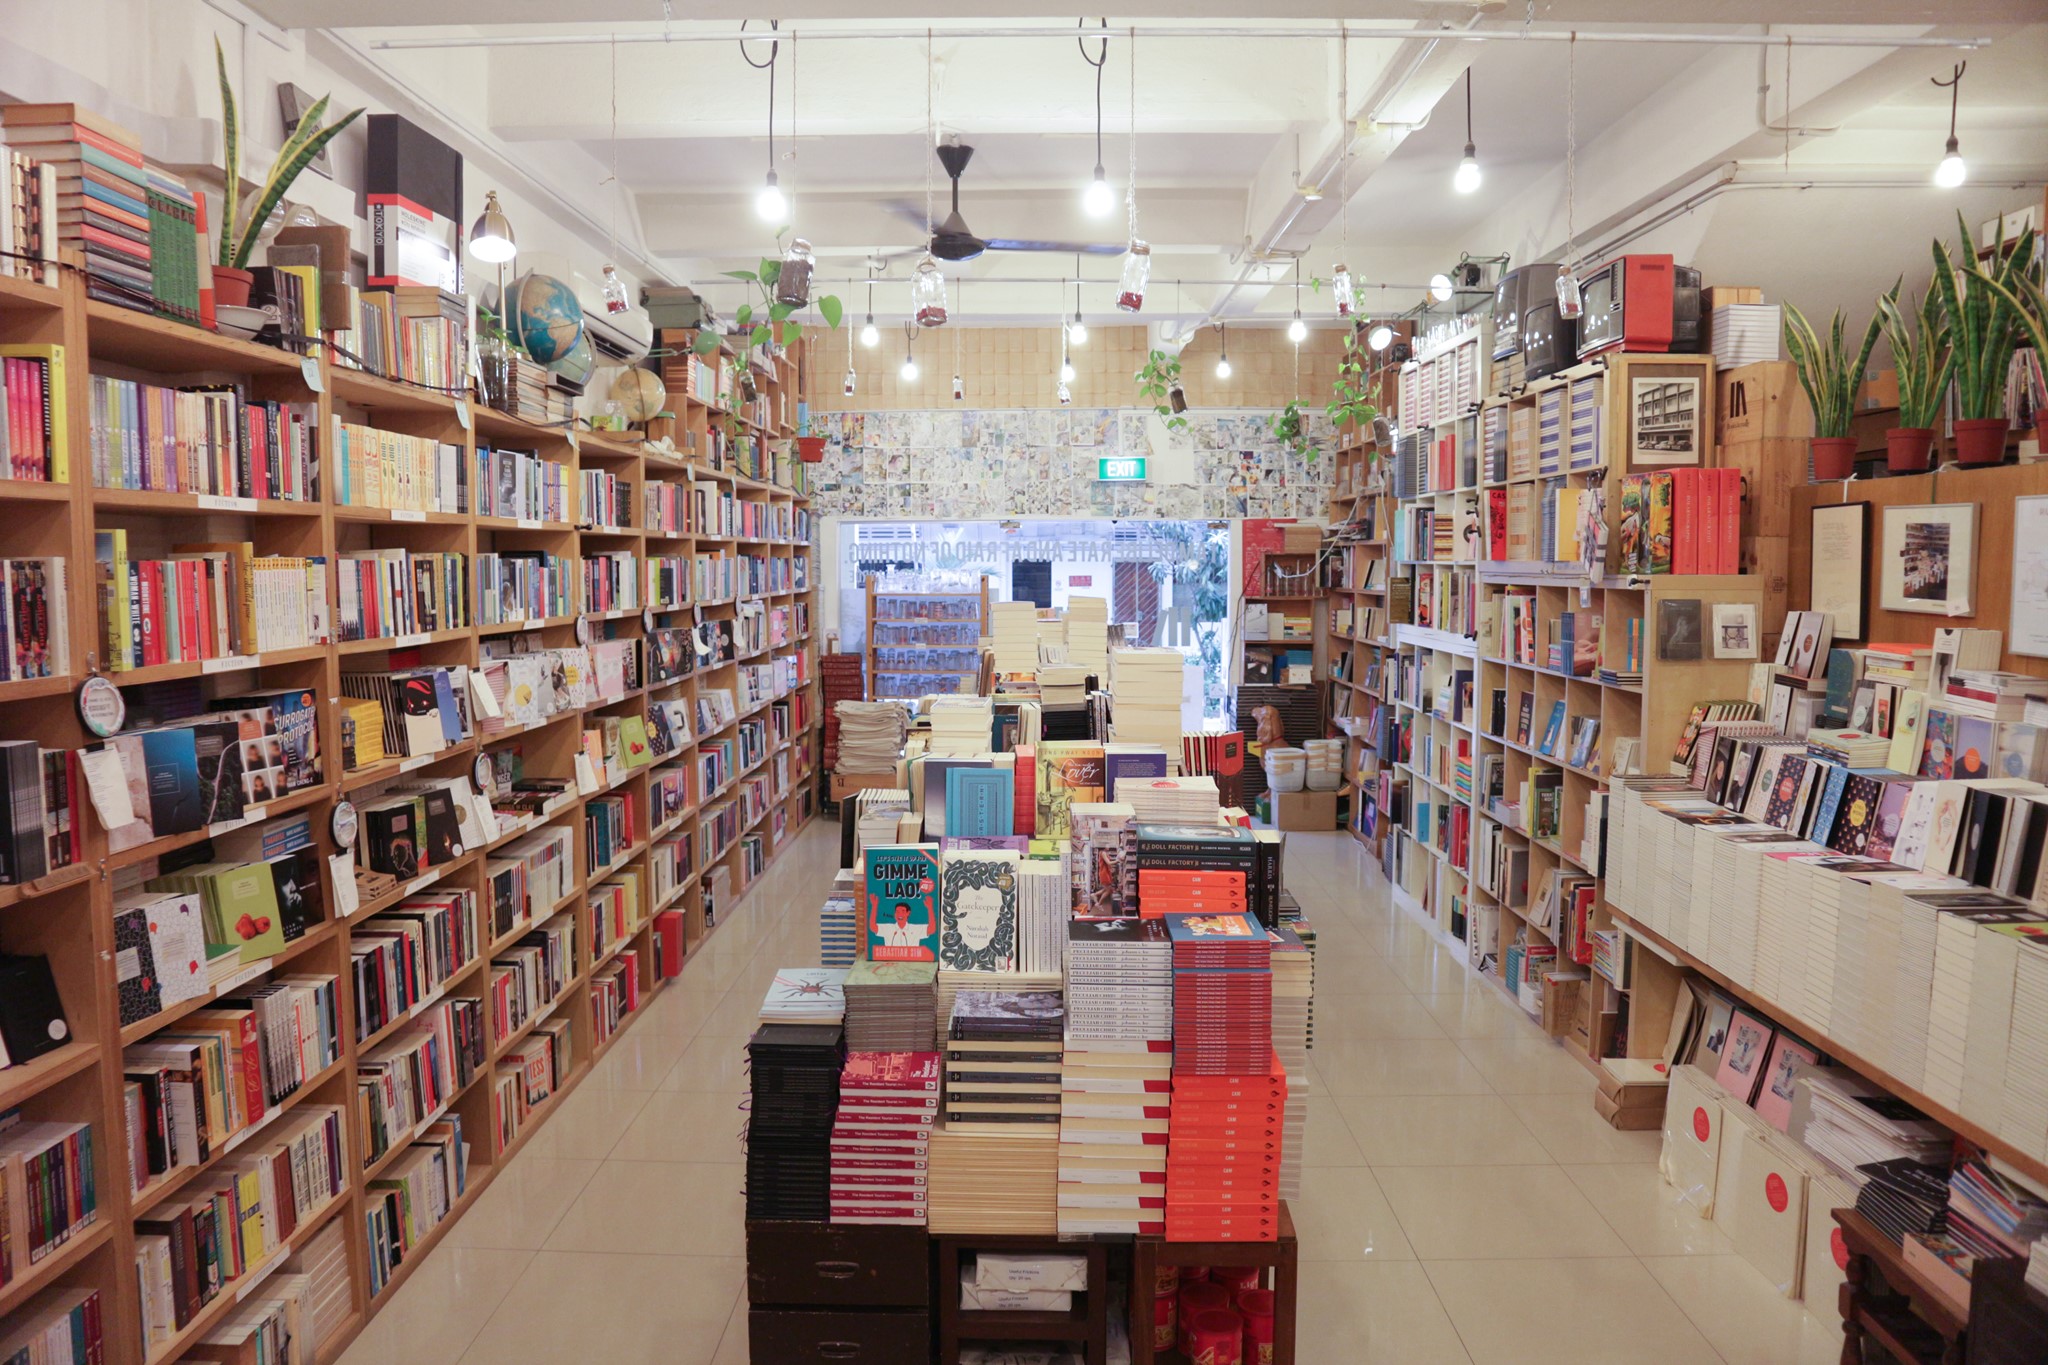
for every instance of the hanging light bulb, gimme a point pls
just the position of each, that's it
(1077, 330)
(1297, 330)
(1380, 337)
(1467, 178)
(1223, 358)
(870, 335)
(1098, 200)
(908, 374)
(770, 204)
(1066, 371)
(491, 239)
(1952, 171)
(615, 300)
(1440, 287)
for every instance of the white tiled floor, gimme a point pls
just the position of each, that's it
(1461, 1200)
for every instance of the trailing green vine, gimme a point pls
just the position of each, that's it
(1351, 394)
(1159, 384)
(1288, 431)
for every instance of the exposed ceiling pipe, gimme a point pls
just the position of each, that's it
(847, 34)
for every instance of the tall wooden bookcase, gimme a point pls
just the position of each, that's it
(68, 915)
(912, 631)
(1358, 622)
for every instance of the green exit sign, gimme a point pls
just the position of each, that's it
(1127, 469)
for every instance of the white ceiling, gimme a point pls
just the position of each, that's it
(1223, 123)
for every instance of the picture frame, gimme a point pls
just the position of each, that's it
(1734, 630)
(1838, 570)
(1664, 421)
(2027, 630)
(1679, 621)
(1929, 559)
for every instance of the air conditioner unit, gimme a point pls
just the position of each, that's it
(618, 338)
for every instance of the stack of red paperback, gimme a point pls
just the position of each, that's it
(887, 1104)
(1163, 892)
(1223, 1162)
(1228, 1113)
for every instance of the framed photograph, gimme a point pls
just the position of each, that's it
(1678, 629)
(1734, 630)
(1664, 422)
(2028, 632)
(1930, 559)
(1838, 574)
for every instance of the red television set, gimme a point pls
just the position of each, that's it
(1639, 303)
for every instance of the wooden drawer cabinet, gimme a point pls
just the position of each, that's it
(796, 1336)
(820, 1265)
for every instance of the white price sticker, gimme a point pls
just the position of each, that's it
(309, 369)
(400, 514)
(418, 637)
(215, 502)
(462, 413)
(529, 523)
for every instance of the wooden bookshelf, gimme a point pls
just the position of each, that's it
(1359, 611)
(964, 658)
(67, 915)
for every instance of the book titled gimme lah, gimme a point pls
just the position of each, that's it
(903, 902)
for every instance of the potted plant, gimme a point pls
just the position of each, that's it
(1288, 431)
(1925, 361)
(1829, 374)
(773, 320)
(231, 276)
(2027, 298)
(1985, 326)
(1159, 384)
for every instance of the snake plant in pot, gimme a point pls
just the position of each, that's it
(1925, 361)
(1986, 326)
(1829, 372)
(239, 235)
(2027, 298)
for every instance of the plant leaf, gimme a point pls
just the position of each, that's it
(749, 276)
(280, 179)
(707, 343)
(771, 270)
(792, 330)
(231, 157)
(761, 335)
(744, 315)
(831, 310)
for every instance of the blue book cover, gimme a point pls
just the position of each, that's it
(1118, 765)
(902, 902)
(444, 697)
(1830, 801)
(171, 767)
(979, 802)
(934, 772)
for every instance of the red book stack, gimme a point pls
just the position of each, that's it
(1162, 892)
(1228, 1112)
(888, 1102)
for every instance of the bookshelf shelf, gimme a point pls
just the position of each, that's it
(84, 1081)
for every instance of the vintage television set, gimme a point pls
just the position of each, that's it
(1512, 297)
(1549, 342)
(1640, 303)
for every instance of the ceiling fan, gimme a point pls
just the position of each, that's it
(953, 241)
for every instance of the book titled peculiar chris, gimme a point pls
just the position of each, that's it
(903, 902)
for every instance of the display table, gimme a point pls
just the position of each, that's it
(1282, 1257)
(1893, 1306)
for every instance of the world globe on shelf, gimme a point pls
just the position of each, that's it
(639, 393)
(576, 367)
(546, 317)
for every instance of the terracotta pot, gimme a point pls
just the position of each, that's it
(1834, 457)
(811, 449)
(232, 286)
(1981, 440)
(1906, 449)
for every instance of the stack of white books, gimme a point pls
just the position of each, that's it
(877, 813)
(1184, 800)
(1145, 691)
(1062, 683)
(805, 995)
(1852, 1123)
(1294, 976)
(961, 728)
(1087, 635)
(1015, 635)
(870, 736)
(1745, 333)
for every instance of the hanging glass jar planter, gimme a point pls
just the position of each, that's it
(849, 381)
(959, 390)
(1066, 394)
(615, 300)
(1343, 291)
(928, 293)
(793, 284)
(1570, 304)
(1130, 293)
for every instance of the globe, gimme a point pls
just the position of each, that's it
(639, 393)
(575, 368)
(546, 318)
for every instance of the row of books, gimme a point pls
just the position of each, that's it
(606, 500)
(611, 581)
(208, 440)
(392, 592)
(1686, 521)
(403, 955)
(530, 975)
(530, 585)
(378, 468)
(533, 1070)
(206, 600)
(414, 333)
(407, 1081)
(34, 433)
(520, 484)
(206, 769)
(35, 619)
(47, 1187)
(413, 1195)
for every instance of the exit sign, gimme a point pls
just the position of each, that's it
(1126, 469)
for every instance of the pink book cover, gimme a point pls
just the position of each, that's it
(1774, 1100)
(1742, 1059)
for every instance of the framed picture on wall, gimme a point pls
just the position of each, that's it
(1929, 559)
(1664, 422)
(2028, 631)
(1838, 575)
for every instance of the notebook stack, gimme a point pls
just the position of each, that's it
(1014, 630)
(1145, 691)
(805, 995)
(891, 1007)
(838, 931)
(1194, 869)
(1904, 1196)
(962, 727)
(995, 1159)
(881, 1138)
(795, 1070)
(1293, 989)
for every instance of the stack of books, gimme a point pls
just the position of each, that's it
(1119, 982)
(890, 1007)
(1904, 1197)
(1003, 1059)
(1115, 1098)
(1189, 868)
(994, 1181)
(882, 1136)
(1745, 333)
(1294, 985)
(1223, 1163)
(103, 200)
(1849, 748)
(1145, 692)
(1065, 684)
(1088, 635)
(1015, 633)
(838, 931)
(870, 735)
(805, 995)
(795, 1070)
(1190, 800)
(962, 727)
(1222, 995)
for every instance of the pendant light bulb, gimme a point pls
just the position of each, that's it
(908, 374)
(1467, 178)
(1297, 330)
(1380, 337)
(771, 205)
(1077, 330)
(1098, 200)
(1440, 287)
(1223, 367)
(1066, 371)
(870, 335)
(1952, 171)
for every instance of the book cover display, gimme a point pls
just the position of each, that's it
(978, 912)
(903, 899)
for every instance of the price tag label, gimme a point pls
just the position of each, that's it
(228, 663)
(309, 369)
(420, 761)
(215, 502)
(418, 637)
(462, 413)
(399, 514)
(529, 524)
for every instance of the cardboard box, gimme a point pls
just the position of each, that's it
(1564, 1002)
(845, 785)
(1879, 389)
(1761, 402)
(1627, 1120)
(1301, 538)
(1691, 1158)
(1304, 810)
(1764, 1209)
(1715, 295)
